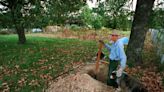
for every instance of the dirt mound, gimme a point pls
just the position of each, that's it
(79, 83)
(83, 81)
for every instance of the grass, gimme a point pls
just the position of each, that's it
(29, 67)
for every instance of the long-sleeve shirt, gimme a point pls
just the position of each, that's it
(117, 51)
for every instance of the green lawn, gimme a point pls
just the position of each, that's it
(29, 67)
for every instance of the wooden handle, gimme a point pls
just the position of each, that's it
(98, 57)
(105, 62)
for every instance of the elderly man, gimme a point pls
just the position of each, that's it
(117, 56)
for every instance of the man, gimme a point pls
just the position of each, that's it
(117, 56)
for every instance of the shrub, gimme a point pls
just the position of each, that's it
(74, 27)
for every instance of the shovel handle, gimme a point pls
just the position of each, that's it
(98, 57)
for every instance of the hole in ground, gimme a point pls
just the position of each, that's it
(101, 75)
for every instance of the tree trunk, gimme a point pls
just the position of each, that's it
(21, 35)
(138, 30)
(16, 17)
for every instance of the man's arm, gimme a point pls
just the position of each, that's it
(122, 56)
(107, 46)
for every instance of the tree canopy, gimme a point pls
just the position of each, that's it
(21, 14)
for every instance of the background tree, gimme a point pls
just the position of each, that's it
(156, 20)
(86, 16)
(114, 14)
(21, 14)
(138, 30)
(59, 10)
(91, 19)
(98, 21)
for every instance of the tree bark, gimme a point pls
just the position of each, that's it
(16, 17)
(21, 35)
(138, 30)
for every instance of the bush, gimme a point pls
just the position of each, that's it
(74, 27)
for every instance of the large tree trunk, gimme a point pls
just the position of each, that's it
(21, 35)
(16, 17)
(138, 30)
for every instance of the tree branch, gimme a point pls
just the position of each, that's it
(3, 3)
(160, 4)
(3, 9)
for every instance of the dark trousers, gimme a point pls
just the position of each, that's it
(112, 67)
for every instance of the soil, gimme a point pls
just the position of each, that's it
(83, 81)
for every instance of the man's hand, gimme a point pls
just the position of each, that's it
(102, 42)
(119, 72)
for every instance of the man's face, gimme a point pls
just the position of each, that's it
(113, 37)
